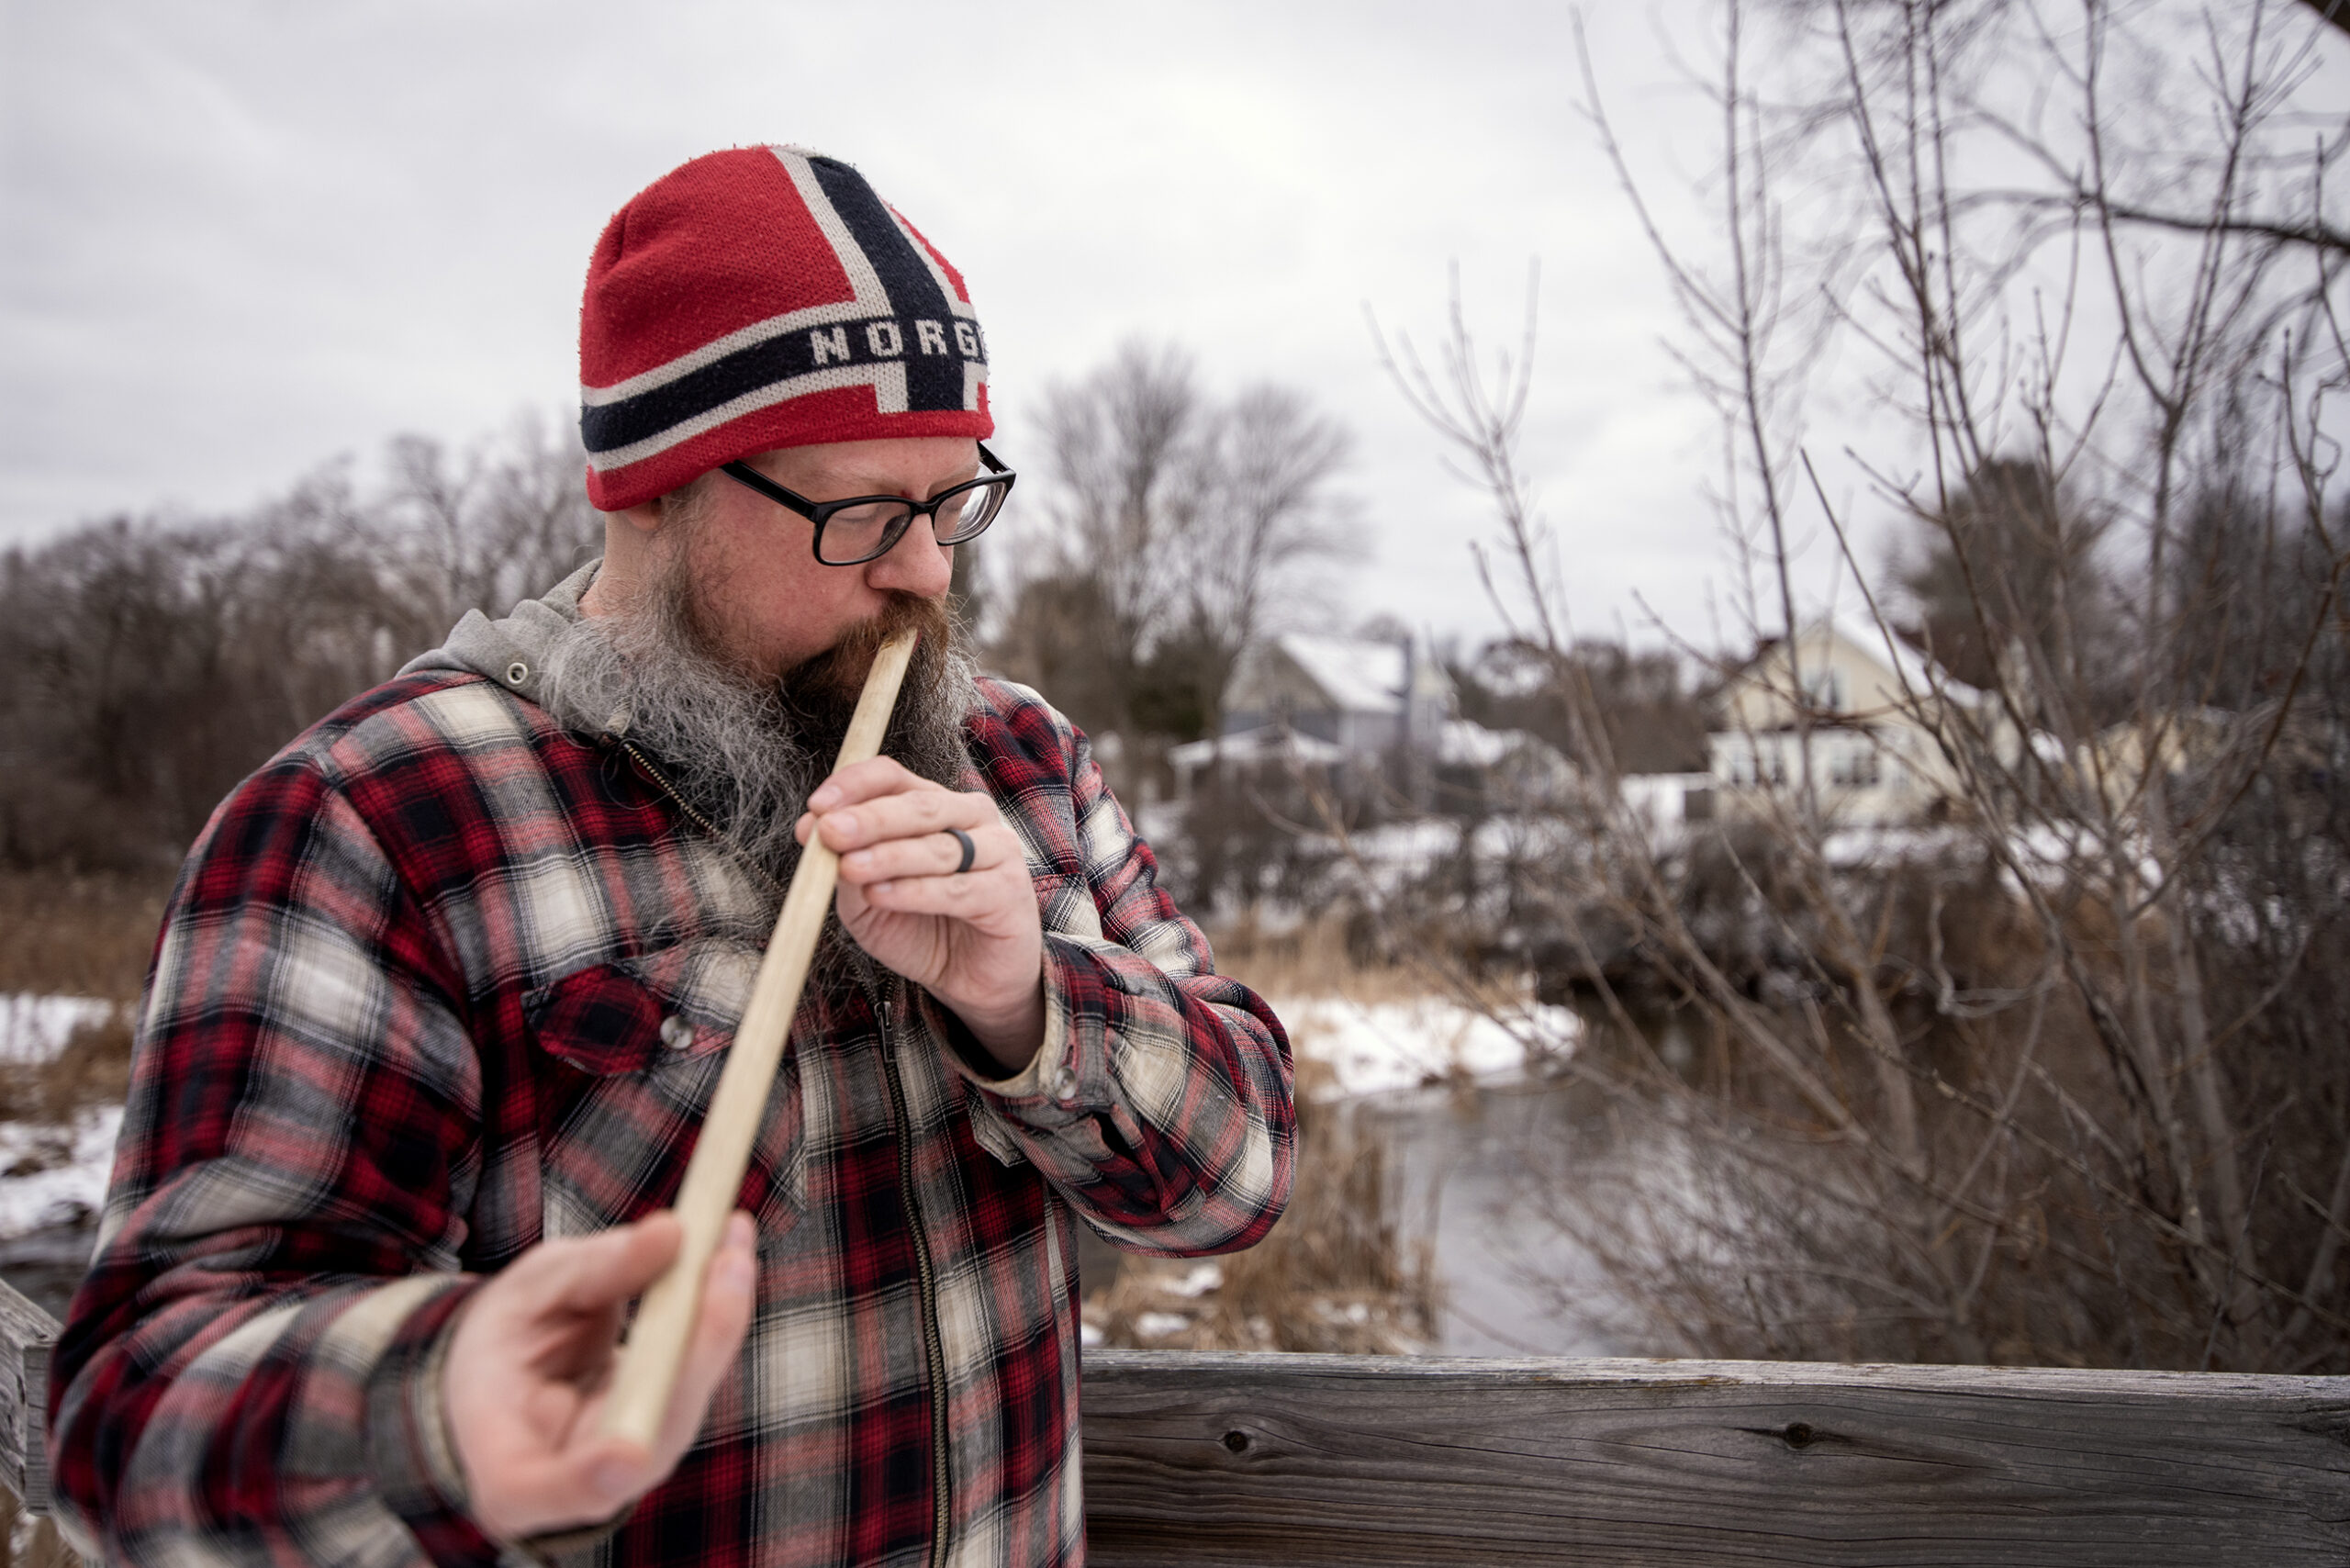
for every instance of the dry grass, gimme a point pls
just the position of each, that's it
(1317, 958)
(35, 1542)
(1337, 1273)
(75, 936)
(92, 1069)
(1340, 1272)
(78, 935)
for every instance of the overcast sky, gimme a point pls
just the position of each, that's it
(244, 236)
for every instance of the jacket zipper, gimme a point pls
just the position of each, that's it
(693, 815)
(662, 780)
(933, 1347)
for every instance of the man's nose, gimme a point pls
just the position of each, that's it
(917, 564)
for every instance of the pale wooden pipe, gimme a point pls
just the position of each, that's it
(656, 1347)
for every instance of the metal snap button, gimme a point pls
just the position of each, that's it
(1065, 1084)
(675, 1033)
(517, 673)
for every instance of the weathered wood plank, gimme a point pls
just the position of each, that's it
(26, 1335)
(1203, 1459)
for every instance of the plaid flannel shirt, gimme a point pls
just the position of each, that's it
(443, 980)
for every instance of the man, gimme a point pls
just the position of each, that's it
(444, 988)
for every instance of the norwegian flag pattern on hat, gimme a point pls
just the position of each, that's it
(765, 298)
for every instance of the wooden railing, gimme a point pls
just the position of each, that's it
(1226, 1458)
(1308, 1460)
(26, 1335)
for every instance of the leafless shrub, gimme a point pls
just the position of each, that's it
(2058, 1081)
(1242, 840)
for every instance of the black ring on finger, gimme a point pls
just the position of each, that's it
(970, 850)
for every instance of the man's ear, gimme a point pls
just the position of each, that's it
(628, 540)
(646, 517)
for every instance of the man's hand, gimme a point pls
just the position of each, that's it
(523, 1383)
(972, 939)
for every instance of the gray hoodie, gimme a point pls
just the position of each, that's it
(513, 650)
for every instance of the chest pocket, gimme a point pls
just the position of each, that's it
(628, 1054)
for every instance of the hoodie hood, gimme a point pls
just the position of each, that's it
(511, 650)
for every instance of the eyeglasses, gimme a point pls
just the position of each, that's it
(866, 528)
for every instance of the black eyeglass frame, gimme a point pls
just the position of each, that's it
(822, 512)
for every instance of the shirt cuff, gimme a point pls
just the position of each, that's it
(415, 1456)
(409, 1450)
(1055, 1070)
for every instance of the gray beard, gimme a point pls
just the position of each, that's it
(741, 751)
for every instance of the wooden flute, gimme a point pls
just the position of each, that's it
(655, 1346)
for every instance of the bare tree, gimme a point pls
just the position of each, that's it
(1117, 446)
(1258, 507)
(503, 520)
(1180, 526)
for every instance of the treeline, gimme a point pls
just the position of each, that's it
(1162, 528)
(158, 660)
(153, 663)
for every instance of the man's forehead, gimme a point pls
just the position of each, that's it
(876, 465)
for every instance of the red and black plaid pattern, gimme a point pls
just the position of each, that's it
(443, 980)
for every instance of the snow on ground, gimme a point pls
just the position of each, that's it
(35, 1028)
(50, 1174)
(54, 1175)
(1376, 1047)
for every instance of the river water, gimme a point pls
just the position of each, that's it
(1471, 1164)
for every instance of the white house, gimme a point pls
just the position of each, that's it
(1872, 761)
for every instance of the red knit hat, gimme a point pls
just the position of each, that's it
(764, 297)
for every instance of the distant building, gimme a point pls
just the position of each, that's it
(1357, 711)
(1664, 803)
(1365, 696)
(1871, 762)
(2179, 743)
